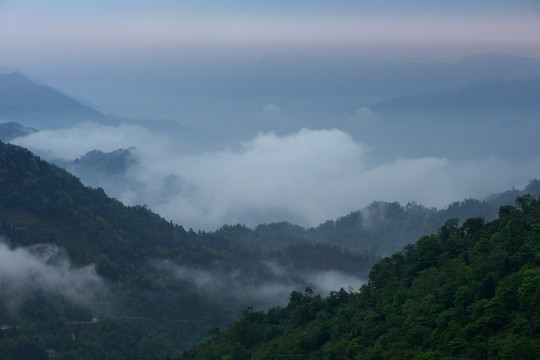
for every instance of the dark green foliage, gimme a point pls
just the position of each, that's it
(381, 228)
(471, 292)
(41, 203)
(24, 349)
(147, 313)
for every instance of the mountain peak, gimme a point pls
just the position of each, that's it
(39, 106)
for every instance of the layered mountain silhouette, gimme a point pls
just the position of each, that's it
(487, 96)
(29, 104)
(40, 106)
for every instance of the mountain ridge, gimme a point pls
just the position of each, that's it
(467, 292)
(39, 105)
(31, 104)
(486, 96)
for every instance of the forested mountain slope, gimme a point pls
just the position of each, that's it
(381, 228)
(88, 277)
(41, 203)
(468, 292)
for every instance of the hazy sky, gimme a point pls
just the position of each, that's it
(136, 58)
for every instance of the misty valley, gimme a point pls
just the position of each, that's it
(381, 222)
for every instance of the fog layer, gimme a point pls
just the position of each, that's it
(304, 177)
(47, 268)
(274, 288)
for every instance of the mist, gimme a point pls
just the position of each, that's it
(304, 177)
(255, 289)
(46, 268)
(333, 280)
(237, 287)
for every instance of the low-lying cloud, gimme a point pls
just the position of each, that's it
(232, 286)
(305, 177)
(334, 280)
(46, 268)
(71, 143)
(274, 288)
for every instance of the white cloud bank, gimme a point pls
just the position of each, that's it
(305, 177)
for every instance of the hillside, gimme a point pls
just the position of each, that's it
(469, 292)
(380, 229)
(41, 203)
(147, 288)
(144, 287)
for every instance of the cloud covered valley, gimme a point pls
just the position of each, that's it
(305, 177)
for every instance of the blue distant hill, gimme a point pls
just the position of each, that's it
(487, 96)
(28, 104)
(40, 106)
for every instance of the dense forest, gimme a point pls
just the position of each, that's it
(83, 277)
(150, 288)
(468, 292)
(381, 228)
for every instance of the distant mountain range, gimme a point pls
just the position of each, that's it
(487, 96)
(504, 64)
(39, 106)
(351, 85)
(433, 123)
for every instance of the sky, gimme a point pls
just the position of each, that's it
(266, 85)
(136, 58)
